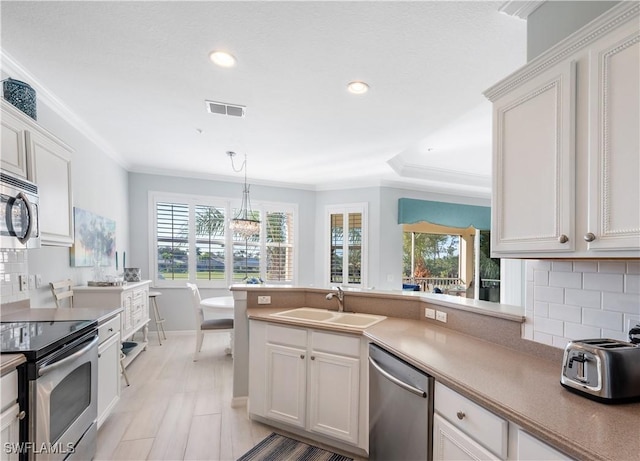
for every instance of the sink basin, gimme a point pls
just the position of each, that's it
(356, 320)
(306, 313)
(323, 316)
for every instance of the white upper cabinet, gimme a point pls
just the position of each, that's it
(566, 154)
(614, 142)
(30, 151)
(50, 169)
(14, 152)
(533, 176)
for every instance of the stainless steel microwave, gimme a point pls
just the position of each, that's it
(19, 225)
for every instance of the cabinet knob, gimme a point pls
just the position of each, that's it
(589, 237)
(302, 356)
(460, 415)
(312, 357)
(563, 239)
(110, 330)
(21, 415)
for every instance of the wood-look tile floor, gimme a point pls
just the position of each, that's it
(178, 409)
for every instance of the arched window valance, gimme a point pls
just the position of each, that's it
(411, 211)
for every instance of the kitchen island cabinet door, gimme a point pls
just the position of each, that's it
(334, 395)
(450, 443)
(286, 384)
(614, 145)
(50, 169)
(534, 165)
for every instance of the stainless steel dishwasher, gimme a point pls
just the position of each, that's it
(400, 409)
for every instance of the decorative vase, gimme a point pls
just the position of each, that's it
(21, 95)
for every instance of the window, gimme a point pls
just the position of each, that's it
(347, 239)
(192, 243)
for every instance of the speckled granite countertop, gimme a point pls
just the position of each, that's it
(522, 388)
(9, 362)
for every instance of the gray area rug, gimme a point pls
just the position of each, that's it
(278, 448)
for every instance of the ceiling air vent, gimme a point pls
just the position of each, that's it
(222, 108)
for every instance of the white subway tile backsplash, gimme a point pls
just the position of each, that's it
(632, 283)
(541, 278)
(565, 279)
(549, 326)
(587, 299)
(560, 342)
(562, 266)
(565, 313)
(14, 264)
(582, 298)
(548, 294)
(612, 267)
(613, 334)
(603, 282)
(633, 267)
(602, 319)
(575, 331)
(543, 338)
(621, 302)
(540, 265)
(585, 266)
(541, 309)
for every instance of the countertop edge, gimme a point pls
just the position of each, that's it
(9, 362)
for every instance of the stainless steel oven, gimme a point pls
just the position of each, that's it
(64, 402)
(19, 202)
(58, 387)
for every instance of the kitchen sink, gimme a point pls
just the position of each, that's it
(324, 316)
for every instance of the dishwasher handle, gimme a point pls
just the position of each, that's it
(393, 379)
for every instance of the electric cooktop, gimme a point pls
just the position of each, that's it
(37, 339)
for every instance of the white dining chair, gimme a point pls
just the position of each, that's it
(62, 291)
(224, 325)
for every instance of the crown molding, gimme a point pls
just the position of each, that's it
(15, 70)
(610, 20)
(520, 9)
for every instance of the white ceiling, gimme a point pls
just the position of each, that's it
(135, 76)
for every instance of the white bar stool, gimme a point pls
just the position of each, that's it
(156, 313)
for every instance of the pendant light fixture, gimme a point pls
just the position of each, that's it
(245, 223)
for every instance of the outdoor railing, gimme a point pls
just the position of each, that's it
(429, 283)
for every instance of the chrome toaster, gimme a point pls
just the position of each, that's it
(606, 370)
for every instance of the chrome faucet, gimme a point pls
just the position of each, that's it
(340, 296)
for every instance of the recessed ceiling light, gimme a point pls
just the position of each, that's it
(357, 87)
(222, 58)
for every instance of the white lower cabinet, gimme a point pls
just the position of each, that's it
(108, 367)
(528, 448)
(10, 416)
(309, 379)
(450, 443)
(463, 430)
(467, 427)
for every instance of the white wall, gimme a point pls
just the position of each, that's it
(568, 300)
(99, 185)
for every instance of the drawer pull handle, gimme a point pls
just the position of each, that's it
(21, 415)
(460, 415)
(110, 330)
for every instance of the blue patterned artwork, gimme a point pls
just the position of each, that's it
(94, 240)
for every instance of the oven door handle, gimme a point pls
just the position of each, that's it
(48, 368)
